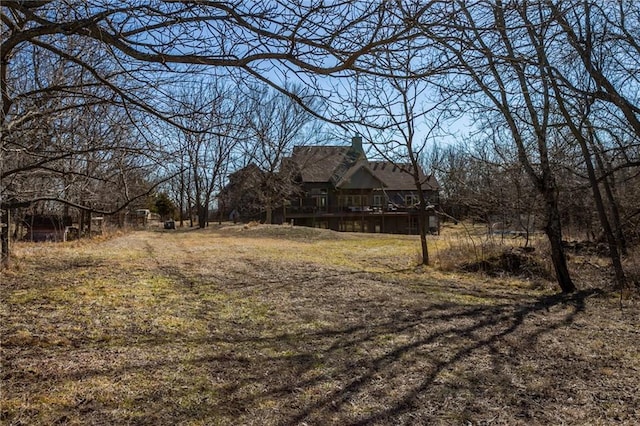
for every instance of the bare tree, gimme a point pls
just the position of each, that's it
(120, 54)
(218, 112)
(600, 81)
(401, 121)
(605, 39)
(275, 125)
(548, 70)
(393, 112)
(480, 39)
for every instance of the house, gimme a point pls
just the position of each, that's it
(242, 194)
(343, 191)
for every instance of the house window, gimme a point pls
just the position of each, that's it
(352, 226)
(321, 202)
(377, 200)
(410, 200)
(351, 200)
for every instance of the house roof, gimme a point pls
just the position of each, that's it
(247, 172)
(398, 177)
(338, 165)
(360, 175)
(320, 163)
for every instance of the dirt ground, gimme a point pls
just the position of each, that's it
(295, 326)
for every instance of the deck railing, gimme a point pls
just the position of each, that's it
(311, 210)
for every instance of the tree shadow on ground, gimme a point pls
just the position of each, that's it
(395, 361)
(484, 331)
(341, 348)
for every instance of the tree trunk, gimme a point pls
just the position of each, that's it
(5, 239)
(181, 206)
(612, 241)
(609, 186)
(81, 225)
(202, 216)
(423, 219)
(269, 214)
(422, 224)
(553, 229)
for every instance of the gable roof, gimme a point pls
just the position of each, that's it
(349, 161)
(250, 171)
(360, 175)
(398, 177)
(318, 163)
(339, 164)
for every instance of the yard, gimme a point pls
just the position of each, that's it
(287, 326)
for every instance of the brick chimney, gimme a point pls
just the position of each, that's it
(356, 143)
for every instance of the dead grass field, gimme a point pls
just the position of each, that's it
(294, 326)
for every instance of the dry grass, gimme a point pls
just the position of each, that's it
(279, 325)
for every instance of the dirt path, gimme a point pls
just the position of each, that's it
(233, 326)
